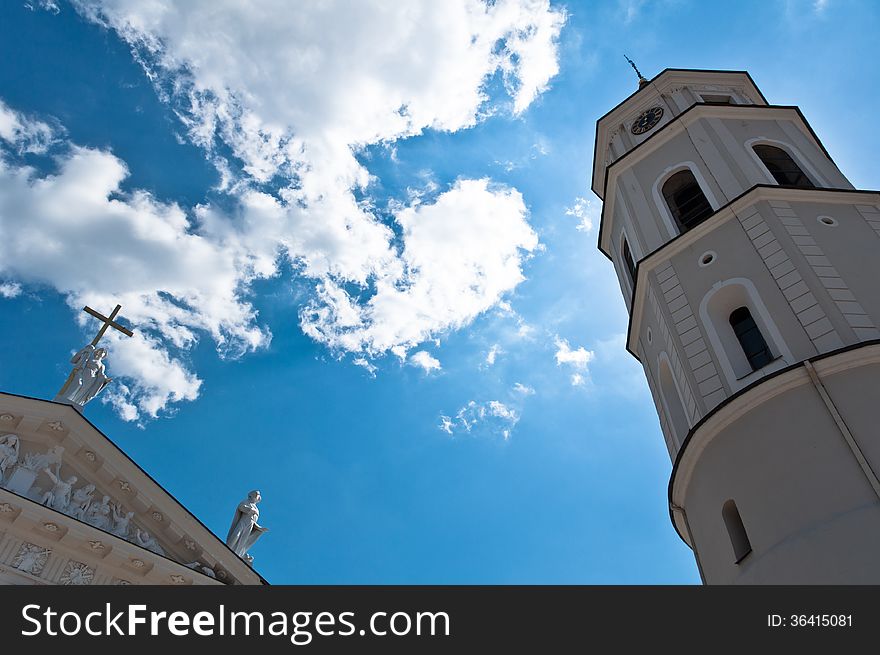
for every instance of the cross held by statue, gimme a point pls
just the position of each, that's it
(108, 322)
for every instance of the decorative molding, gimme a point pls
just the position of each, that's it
(77, 573)
(31, 558)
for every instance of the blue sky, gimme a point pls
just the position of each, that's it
(368, 285)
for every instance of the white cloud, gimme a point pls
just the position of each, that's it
(523, 389)
(297, 93)
(424, 360)
(461, 254)
(493, 353)
(24, 134)
(293, 96)
(76, 231)
(585, 211)
(10, 289)
(492, 417)
(578, 359)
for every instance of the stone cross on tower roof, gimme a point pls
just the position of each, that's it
(88, 376)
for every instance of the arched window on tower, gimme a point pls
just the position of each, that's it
(782, 167)
(629, 263)
(736, 531)
(686, 200)
(750, 338)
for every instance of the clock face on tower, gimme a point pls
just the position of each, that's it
(647, 119)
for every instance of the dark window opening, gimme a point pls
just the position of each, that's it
(629, 262)
(750, 338)
(736, 531)
(686, 200)
(717, 99)
(782, 167)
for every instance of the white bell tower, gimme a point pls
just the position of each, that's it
(751, 268)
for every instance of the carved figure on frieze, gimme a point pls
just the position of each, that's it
(39, 461)
(98, 514)
(145, 540)
(58, 497)
(81, 501)
(202, 568)
(121, 522)
(10, 448)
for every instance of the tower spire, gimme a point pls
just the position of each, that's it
(642, 80)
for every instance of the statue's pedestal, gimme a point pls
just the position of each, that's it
(21, 481)
(67, 401)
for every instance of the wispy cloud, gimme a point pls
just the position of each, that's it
(585, 211)
(491, 417)
(575, 358)
(523, 389)
(424, 360)
(492, 355)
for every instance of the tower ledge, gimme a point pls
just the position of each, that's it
(664, 133)
(758, 193)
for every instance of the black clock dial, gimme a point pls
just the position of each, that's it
(647, 119)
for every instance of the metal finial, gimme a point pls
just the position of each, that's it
(642, 80)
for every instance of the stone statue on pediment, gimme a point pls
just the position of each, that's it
(58, 497)
(10, 447)
(87, 378)
(245, 531)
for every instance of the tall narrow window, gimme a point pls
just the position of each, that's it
(736, 531)
(782, 167)
(750, 338)
(686, 200)
(629, 262)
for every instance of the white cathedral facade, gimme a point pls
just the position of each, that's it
(751, 269)
(75, 510)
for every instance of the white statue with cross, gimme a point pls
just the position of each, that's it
(88, 376)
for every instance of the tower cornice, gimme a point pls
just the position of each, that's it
(675, 127)
(660, 84)
(729, 211)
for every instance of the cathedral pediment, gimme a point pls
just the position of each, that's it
(74, 509)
